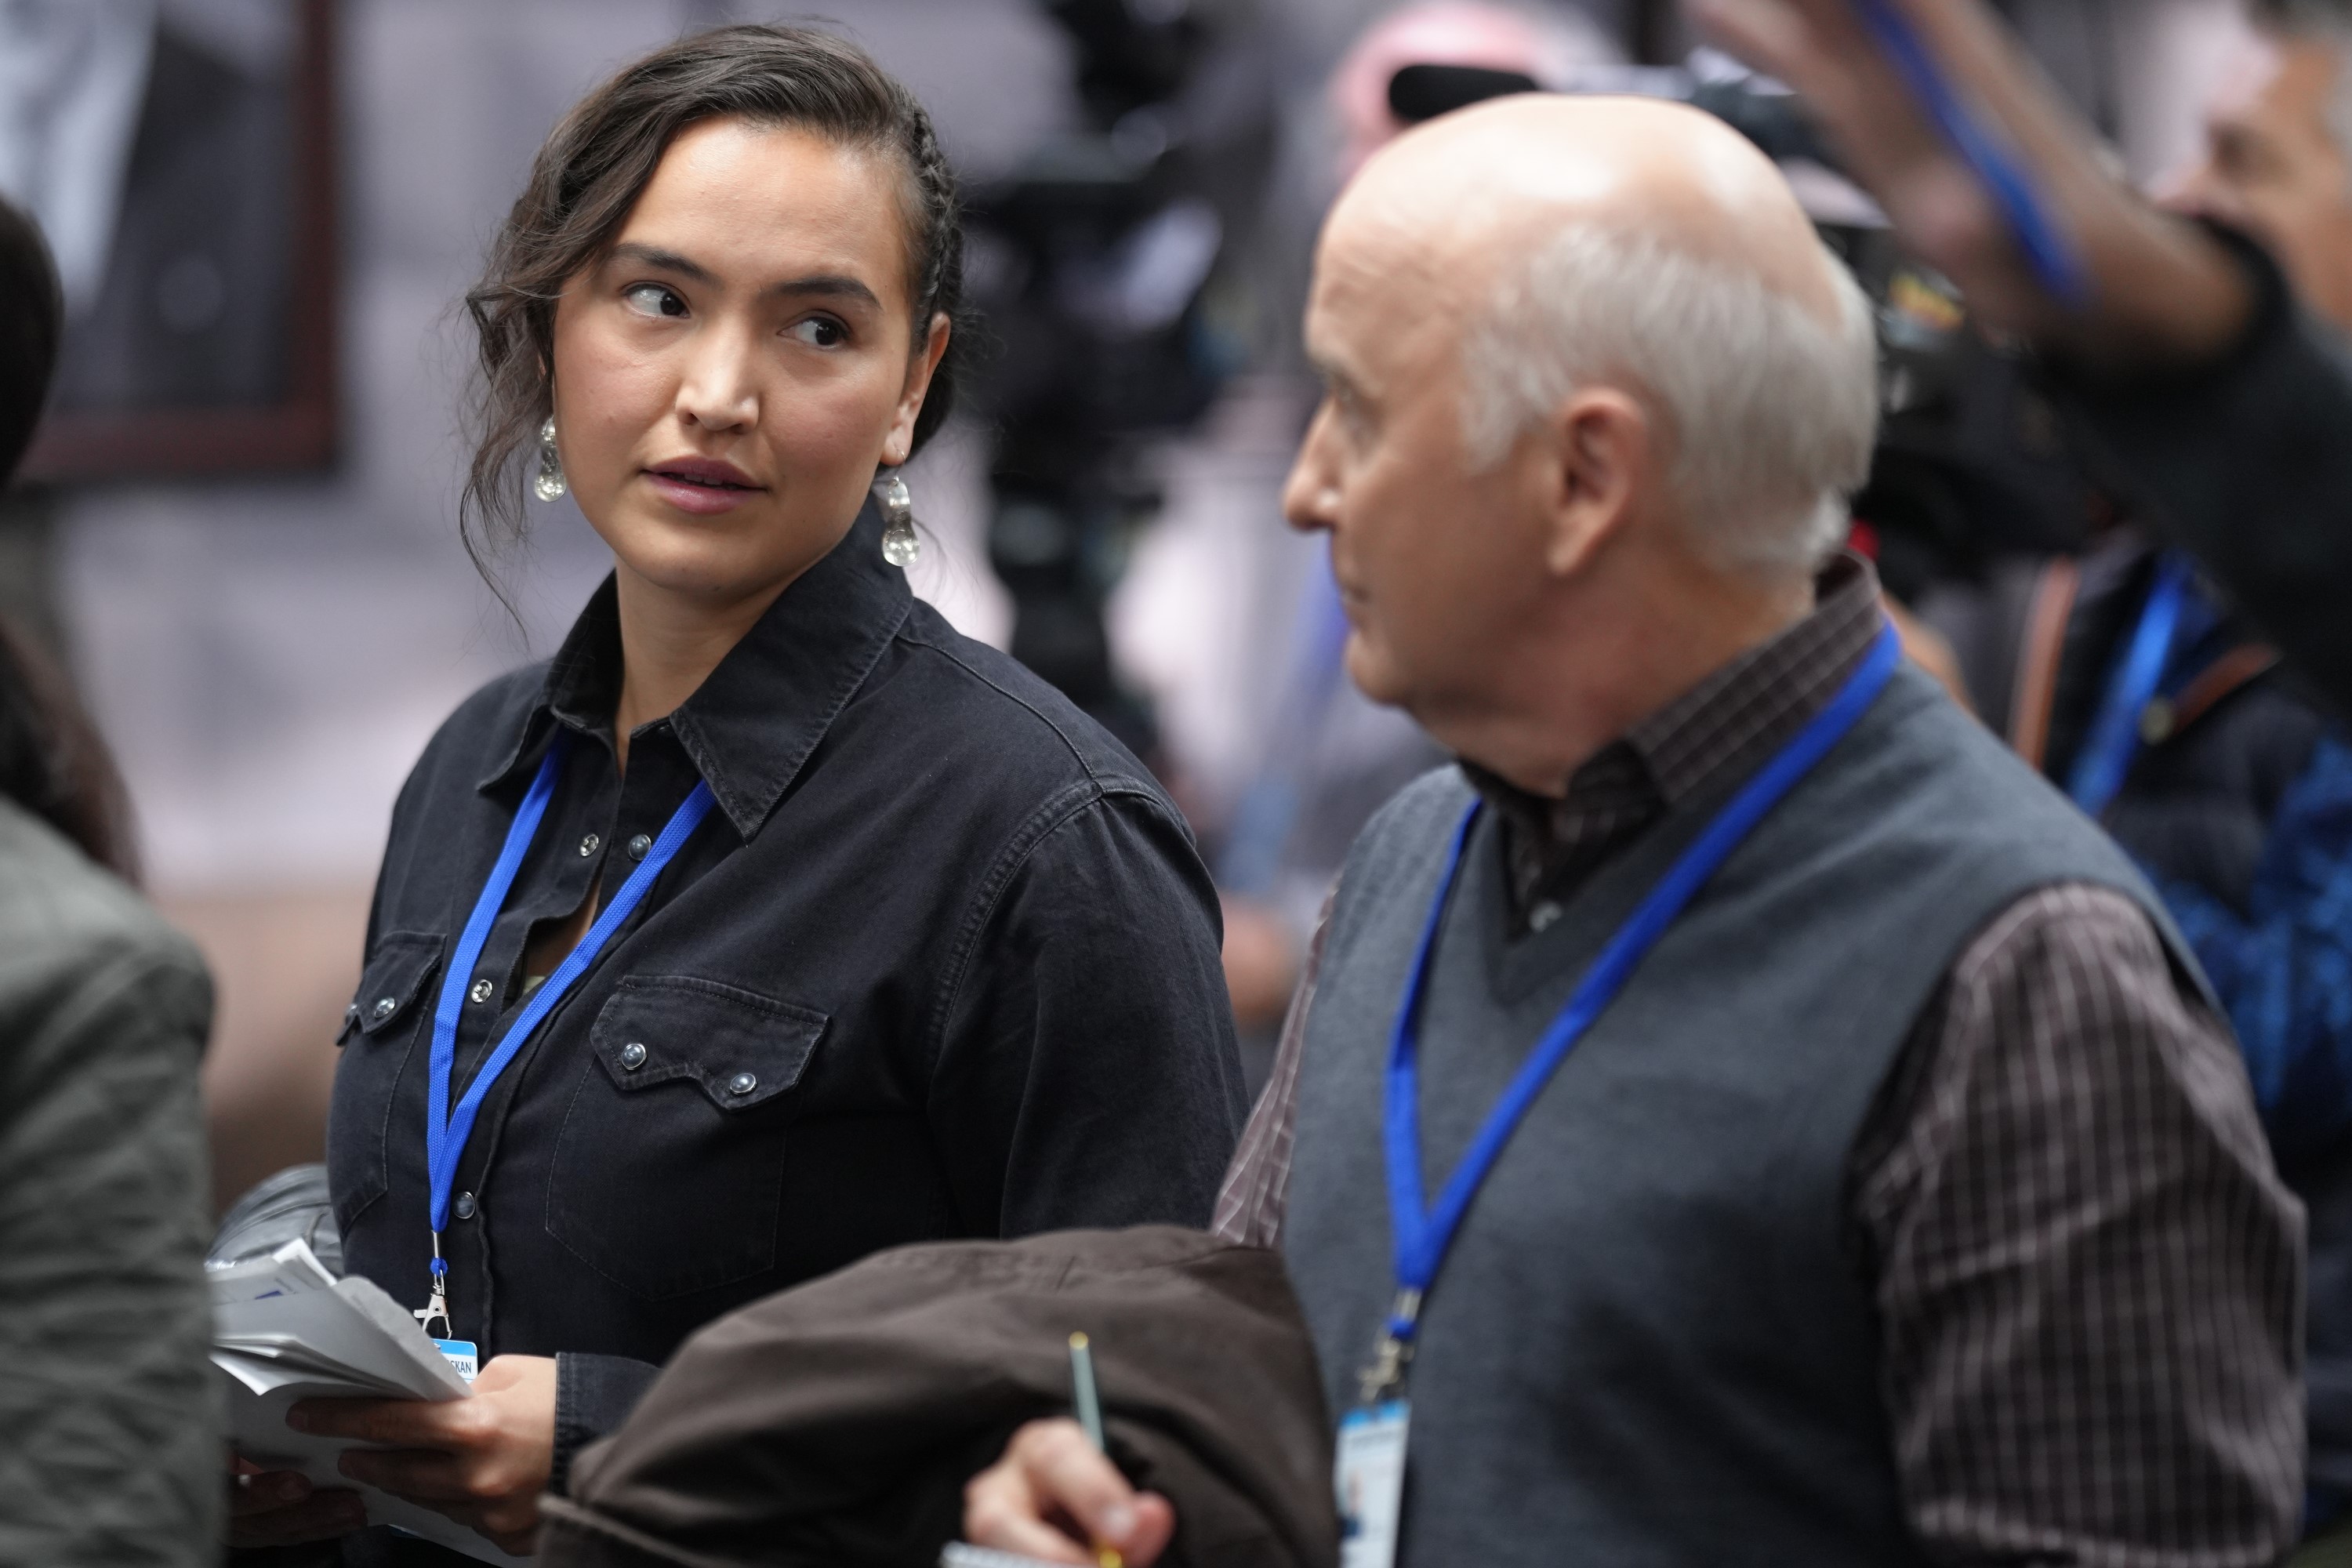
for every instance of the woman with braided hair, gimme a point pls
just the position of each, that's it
(771, 923)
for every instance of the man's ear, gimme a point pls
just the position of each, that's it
(1600, 449)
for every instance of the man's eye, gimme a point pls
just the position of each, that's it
(820, 332)
(654, 300)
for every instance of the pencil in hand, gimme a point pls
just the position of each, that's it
(1088, 1402)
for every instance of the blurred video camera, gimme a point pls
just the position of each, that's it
(1092, 263)
(1970, 463)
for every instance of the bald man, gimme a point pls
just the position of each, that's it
(1850, 1168)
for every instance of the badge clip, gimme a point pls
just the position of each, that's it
(437, 1306)
(1393, 1352)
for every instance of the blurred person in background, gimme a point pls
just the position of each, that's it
(2194, 381)
(2132, 676)
(111, 1455)
(816, 927)
(1835, 1155)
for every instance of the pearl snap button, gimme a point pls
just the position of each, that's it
(741, 1083)
(480, 990)
(589, 846)
(633, 1056)
(385, 1007)
(465, 1206)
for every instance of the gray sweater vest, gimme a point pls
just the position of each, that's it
(1651, 1344)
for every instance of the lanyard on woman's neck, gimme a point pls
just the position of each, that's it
(447, 1130)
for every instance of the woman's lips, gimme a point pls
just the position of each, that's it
(701, 486)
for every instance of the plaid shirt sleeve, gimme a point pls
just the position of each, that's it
(2088, 1275)
(1257, 1184)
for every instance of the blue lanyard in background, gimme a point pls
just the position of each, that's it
(445, 1131)
(2112, 744)
(1423, 1235)
(2057, 265)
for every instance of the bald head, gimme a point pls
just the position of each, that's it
(1554, 243)
(1484, 186)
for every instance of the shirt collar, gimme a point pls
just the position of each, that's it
(751, 726)
(1729, 720)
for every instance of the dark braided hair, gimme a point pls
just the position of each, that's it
(599, 160)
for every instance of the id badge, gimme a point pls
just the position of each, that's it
(1369, 1474)
(460, 1354)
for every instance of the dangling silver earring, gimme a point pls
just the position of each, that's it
(900, 548)
(549, 483)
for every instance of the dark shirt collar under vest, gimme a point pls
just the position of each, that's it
(1727, 724)
(751, 726)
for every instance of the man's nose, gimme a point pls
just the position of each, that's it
(1310, 498)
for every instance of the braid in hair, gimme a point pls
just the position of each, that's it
(935, 258)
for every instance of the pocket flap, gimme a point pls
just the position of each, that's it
(740, 1047)
(391, 983)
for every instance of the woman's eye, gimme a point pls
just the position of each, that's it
(654, 300)
(820, 332)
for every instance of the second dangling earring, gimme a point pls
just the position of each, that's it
(900, 548)
(549, 483)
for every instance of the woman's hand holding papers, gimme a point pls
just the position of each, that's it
(279, 1507)
(482, 1461)
(1053, 1486)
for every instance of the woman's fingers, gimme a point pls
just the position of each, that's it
(318, 1516)
(420, 1475)
(386, 1423)
(256, 1490)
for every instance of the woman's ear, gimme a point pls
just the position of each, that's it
(920, 367)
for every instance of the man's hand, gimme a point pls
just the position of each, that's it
(1054, 1497)
(2163, 293)
(482, 1461)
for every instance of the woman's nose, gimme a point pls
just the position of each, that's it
(719, 391)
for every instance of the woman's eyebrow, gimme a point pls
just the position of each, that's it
(666, 260)
(836, 285)
(833, 285)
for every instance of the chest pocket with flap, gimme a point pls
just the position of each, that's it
(667, 1175)
(381, 1029)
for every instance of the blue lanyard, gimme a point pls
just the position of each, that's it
(2112, 744)
(2056, 263)
(1423, 1235)
(445, 1131)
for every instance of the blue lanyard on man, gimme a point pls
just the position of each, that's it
(2113, 742)
(445, 1131)
(1370, 1470)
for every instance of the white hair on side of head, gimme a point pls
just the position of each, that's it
(1772, 415)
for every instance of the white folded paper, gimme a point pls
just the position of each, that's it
(284, 1329)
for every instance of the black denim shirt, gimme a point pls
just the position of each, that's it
(942, 962)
